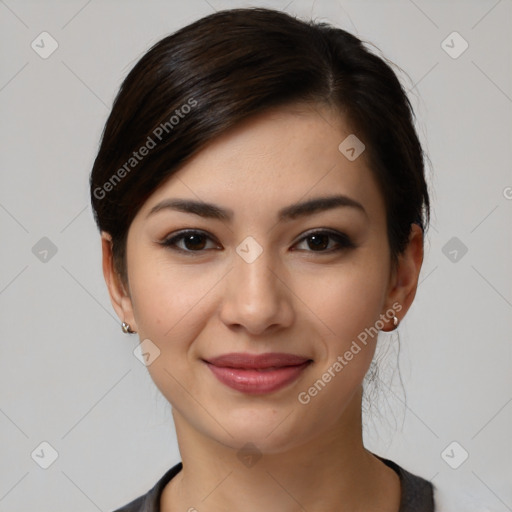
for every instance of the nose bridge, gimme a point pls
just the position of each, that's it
(255, 298)
(255, 285)
(256, 275)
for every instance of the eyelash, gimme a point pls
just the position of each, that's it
(343, 241)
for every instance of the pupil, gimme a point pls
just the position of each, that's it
(319, 241)
(199, 241)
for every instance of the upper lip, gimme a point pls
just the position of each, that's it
(257, 361)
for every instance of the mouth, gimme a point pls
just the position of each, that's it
(257, 374)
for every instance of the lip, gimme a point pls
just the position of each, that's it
(257, 373)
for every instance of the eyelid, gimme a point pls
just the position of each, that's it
(179, 235)
(344, 242)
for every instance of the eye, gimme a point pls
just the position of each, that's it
(319, 241)
(188, 241)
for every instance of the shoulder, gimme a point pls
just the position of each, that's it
(150, 502)
(417, 494)
(134, 506)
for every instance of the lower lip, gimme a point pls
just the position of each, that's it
(257, 382)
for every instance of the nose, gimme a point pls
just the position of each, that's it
(256, 297)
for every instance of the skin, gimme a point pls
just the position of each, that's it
(293, 298)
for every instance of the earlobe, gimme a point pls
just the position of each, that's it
(119, 296)
(405, 276)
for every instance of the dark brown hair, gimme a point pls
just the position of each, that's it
(205, 78)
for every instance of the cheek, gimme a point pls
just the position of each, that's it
(348, 302)
(166, 298)
(171, 308)
(347, 299)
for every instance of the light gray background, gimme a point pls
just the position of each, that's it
(68, 375)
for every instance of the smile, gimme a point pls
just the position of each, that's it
(257, 374)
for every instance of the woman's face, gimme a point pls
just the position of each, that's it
(265, 268)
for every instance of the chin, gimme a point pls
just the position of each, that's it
(268, 429)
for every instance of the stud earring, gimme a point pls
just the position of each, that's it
(395, 322)
(126, 328)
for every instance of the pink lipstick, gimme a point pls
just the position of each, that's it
(257, 373)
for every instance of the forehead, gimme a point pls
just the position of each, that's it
(274, 159)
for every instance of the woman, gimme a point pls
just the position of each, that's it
(261, 198)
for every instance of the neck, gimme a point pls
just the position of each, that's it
(332, 471)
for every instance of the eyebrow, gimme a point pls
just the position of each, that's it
(303, 209)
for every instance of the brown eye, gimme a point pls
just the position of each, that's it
(318, 241)
(194, 242)
(322, 242)
(188, 241)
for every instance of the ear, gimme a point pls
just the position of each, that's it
(404, 278)
(119, 296)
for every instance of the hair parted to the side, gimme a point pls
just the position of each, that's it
(205, 78)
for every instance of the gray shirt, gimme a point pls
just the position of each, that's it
(416, 493)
